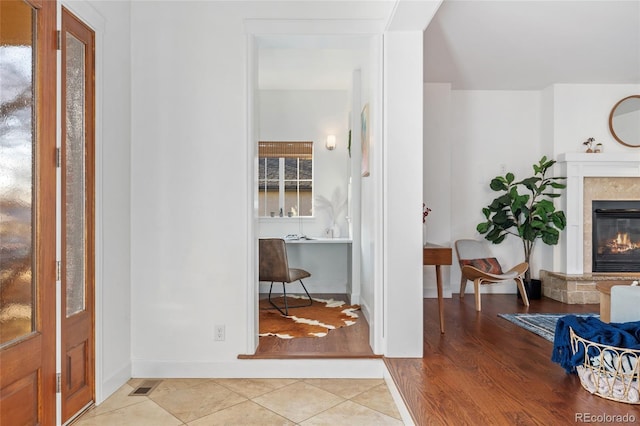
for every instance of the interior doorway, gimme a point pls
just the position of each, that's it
(296, 76)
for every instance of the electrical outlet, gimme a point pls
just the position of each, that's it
(218, 333)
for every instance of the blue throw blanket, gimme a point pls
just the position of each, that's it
(622, 335)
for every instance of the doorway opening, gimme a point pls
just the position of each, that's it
(312, 88)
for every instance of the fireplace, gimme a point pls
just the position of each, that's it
(616, 236)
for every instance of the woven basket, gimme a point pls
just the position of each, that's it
(608, 371)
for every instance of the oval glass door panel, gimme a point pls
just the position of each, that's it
(17, 142)
(74, 177)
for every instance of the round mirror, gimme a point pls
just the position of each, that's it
(624, 121)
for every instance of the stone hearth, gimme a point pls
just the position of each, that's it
(578, 289)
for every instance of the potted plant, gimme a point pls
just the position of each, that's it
(525, 209)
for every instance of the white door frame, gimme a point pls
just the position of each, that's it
(254, 28)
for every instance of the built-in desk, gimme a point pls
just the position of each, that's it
(319, 240)
(328, 260)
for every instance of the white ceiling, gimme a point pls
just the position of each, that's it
(528, 45)
(484, 45)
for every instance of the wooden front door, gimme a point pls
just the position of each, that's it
(27, 212)
(77, 227)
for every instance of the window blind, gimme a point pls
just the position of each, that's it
(285, 149)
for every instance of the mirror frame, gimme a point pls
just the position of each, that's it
(613, 133)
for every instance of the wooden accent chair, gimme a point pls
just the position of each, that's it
(478, 264)
(274, 267)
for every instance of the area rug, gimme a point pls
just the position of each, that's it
(309, 321)
(544, 325)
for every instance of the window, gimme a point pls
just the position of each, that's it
(285, 178)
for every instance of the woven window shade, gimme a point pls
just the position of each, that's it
(285, 150)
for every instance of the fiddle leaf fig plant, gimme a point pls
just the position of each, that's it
(525, 209)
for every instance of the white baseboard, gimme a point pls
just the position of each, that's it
(397, 398)
(264, 369)
(112, 384)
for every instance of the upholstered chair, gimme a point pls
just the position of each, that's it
(274, 267)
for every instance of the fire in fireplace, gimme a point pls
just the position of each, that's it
(616, 236)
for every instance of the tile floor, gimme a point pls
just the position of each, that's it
(200, 402)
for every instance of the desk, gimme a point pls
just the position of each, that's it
(329, 260)
(433, 254)
(319, 240)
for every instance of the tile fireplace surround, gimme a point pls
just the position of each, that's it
(602, 176)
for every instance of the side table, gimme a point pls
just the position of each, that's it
(604, 287)
(433, 254)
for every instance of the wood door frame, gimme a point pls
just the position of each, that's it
(39, 349)
(72, 24)
(93, 19)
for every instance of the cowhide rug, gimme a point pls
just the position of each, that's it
(309, 321)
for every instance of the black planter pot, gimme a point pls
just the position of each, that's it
(533, 289)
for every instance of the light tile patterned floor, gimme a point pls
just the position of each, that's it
(244, 402)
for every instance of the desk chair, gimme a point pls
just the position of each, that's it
(274, 267)
(477, 264)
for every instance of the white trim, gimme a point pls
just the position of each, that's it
(355, 190)
(326, 27)
(256, 29)
(251, 294)
(397, 398)
(264, 368)
(379, 329)
(115, 381)
(568, 255)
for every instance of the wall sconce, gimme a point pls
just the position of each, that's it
(331, 142)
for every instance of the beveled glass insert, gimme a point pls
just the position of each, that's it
(17, 172)
(75, 179)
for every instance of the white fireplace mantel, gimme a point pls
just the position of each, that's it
(569, 253)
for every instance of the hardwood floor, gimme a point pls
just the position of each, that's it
(345, 342)
(486, 370)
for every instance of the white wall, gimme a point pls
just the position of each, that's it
(402, 174)
(496, 131)
(371, 195)
(310, 115)
(189, 180)
(111, 22)
(493, 132)
(582, 111)
(437, 176)
(190, 175)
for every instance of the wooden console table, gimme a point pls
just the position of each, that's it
(433, 254)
